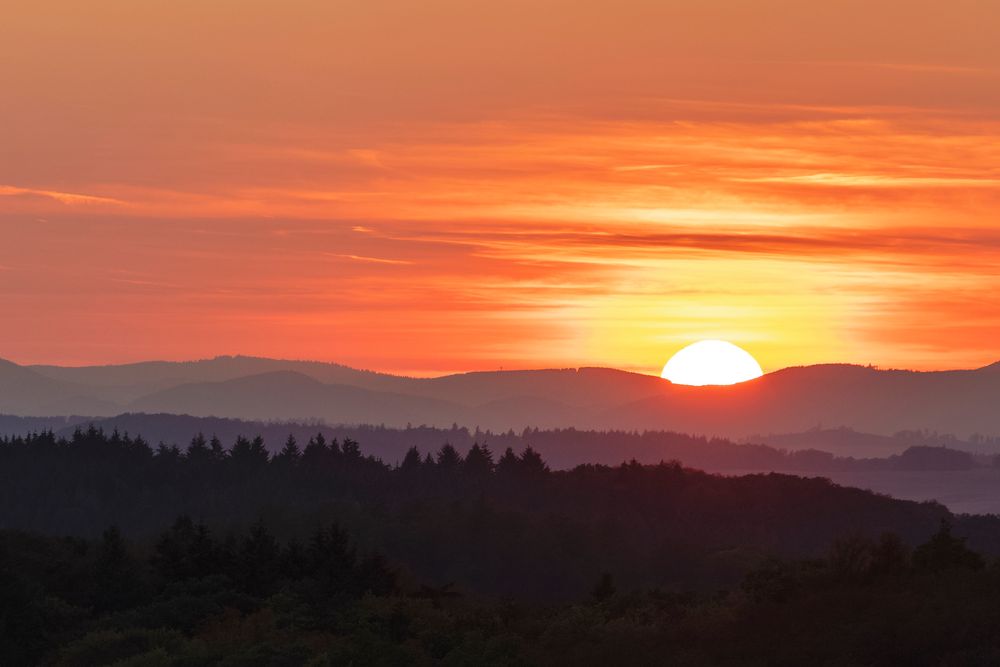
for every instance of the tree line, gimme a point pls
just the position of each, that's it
(501, 524)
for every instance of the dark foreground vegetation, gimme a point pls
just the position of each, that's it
(323, 554)
(191, 598)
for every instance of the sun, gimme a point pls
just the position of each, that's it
(711, 362)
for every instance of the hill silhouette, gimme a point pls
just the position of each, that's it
(25, 392)
(792, 400)
(291, 395)
(796, 399)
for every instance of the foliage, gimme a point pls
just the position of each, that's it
(324, 604)
(325, 556)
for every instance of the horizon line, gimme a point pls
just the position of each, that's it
(440, 374)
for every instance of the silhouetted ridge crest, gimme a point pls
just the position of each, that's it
(791, 400)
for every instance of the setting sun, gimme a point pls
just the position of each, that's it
(711, 362)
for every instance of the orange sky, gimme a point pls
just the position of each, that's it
(469, 184)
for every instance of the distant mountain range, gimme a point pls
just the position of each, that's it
(793, 400)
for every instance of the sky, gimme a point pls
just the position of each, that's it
(455, 185)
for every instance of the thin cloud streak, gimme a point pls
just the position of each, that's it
(373, 260)
(68, 198)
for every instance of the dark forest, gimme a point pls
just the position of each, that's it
(114, 551)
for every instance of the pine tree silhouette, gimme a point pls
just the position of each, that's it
(198, 452)
(508, 463)
(478, 462)
(448, 458)
(290, 453)
(411, 462)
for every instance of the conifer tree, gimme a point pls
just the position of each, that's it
(531, 462)
(290, 453)
(351, 449)
(198, 451)
(448, 458)
(508, 463)
(218, 451)
(316, 452)
(478, 462)
(411, 462)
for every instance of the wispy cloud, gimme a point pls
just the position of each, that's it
(68, 198)
(372, 260)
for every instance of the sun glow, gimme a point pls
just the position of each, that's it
(711, 362)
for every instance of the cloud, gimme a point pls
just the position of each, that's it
(68, 198)
(373, 260)
(875, 181)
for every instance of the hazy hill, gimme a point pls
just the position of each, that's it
(842, 440)
(14, 425)
(289, 395)
(797, 399)
(847, 442)
(128, 382)
(793, 400)
(24, 392)
(584, 386)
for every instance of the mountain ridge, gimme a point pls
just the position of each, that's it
(793, 399)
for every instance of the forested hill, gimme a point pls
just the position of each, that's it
(116, 552)
(814, 452)
(501, 524)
